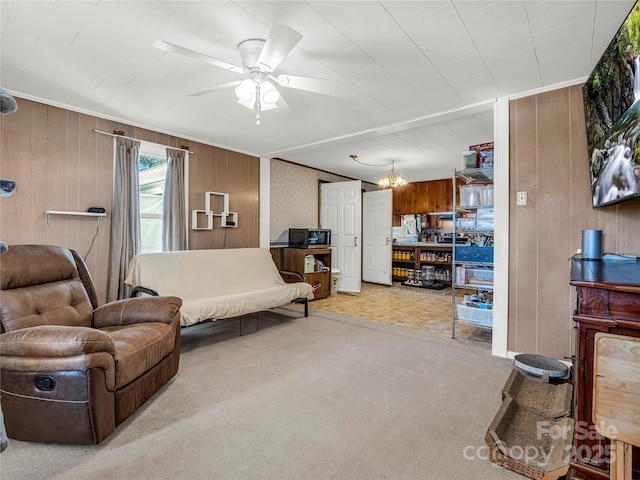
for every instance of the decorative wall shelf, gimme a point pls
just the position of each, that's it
(47, 213)
(196, 215)
(227, 219)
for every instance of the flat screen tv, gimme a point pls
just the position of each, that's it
(612, 117)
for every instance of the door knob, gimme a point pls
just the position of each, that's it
(387, 241)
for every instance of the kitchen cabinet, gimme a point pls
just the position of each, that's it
(472, 265)
(421, 197)
(608, 301)
(408, 258)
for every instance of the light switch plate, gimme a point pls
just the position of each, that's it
(521, 198)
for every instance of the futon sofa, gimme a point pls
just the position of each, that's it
(70, 370)
(216, 284)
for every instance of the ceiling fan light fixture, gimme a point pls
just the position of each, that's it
(246, 93)
(264, 108)
(269, 95)
(260, 58)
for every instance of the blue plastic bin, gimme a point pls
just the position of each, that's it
(474, 254)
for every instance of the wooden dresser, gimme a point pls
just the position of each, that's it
(608, 300)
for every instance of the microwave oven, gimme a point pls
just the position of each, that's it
(309, 238)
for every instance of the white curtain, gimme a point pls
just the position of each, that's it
(125, 216)
(174, 222)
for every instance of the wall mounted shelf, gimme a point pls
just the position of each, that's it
(227, 219)
(196, 215)
(47, 213)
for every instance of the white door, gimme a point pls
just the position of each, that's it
(376, 240)
(341, 211)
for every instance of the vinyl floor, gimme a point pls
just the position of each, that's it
(411, 307)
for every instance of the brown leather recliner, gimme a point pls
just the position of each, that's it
(71, 371)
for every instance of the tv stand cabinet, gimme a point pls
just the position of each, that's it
(608, 300)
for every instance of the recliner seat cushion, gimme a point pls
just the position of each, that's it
(139, 348)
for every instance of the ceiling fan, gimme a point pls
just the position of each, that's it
(260, 58)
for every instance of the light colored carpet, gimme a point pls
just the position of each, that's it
(323, 397)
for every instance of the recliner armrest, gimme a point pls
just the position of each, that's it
(48, 341)
(137, 310)
(62, 348)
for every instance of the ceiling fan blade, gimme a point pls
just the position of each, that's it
(170, 47)
(317, 85)
(217, 87)
(279, 43)
(282, 102)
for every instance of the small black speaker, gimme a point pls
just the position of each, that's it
(592, 244)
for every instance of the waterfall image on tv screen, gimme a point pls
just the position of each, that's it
(612, 117)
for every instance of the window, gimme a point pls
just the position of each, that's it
(152, 171)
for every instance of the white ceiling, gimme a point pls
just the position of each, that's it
(424, 74)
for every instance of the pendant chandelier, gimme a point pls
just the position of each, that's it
(391, 179)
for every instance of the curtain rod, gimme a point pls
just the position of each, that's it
(138, 140)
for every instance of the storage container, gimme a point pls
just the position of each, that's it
(464, 195)
(309, 264)
(479, 276)
(484, 220)
(485, 214)
(486, 195)
(485, 226)
(470, 195)
(474, 254)
(466, 223)
(476, 316)
(335, 278)
(469, 160)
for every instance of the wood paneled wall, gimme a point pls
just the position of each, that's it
(548, 160)
(213, 169)
(424, 197)
(60, 163)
